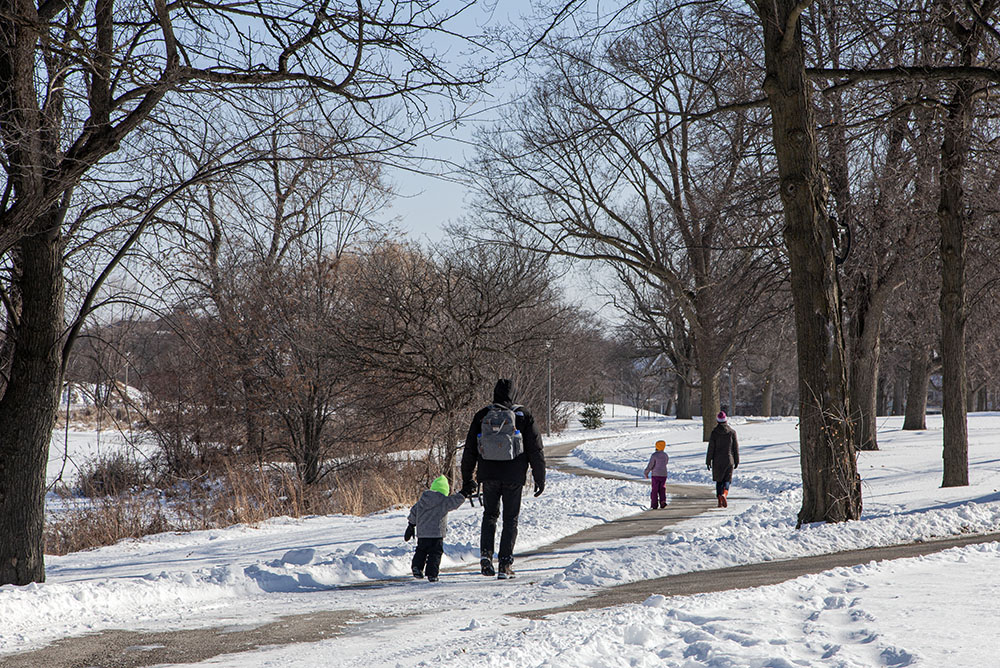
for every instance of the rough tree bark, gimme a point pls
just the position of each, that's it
(866, 328)
(951, 216)
(767, 395)
(898, 392)
(710, 400)
(683, 397)
(29, 404)
(831, 488)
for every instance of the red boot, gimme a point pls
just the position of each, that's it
(725, 493)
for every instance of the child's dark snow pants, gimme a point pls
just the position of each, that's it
(658, 492)
(427, 558)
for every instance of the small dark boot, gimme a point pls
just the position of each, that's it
(506, 571)
(486, 567)
(432, 578)
(417, 573)
(721, 504)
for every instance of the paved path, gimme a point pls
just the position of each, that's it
(686, 501)
(754, 575)
(130, 649)
(124, 649)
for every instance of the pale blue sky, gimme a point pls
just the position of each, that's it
(427, 203)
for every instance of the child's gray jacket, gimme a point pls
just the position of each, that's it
(430, 513)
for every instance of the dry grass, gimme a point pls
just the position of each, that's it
(105, 521)
(239, 495)
(389, 486)
(111, 475)
(116, 417)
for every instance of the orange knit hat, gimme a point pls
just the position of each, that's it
(661, 445)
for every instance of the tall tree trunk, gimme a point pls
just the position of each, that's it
(882, 394)
(683, 397)
(951, 215)
(709, 399)
(831, 487)
(866, 325)
(28, 409)
(898, 396)
(767, 394)
(916, 389)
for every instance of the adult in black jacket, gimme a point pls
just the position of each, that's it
(502, 481)
(723, 457)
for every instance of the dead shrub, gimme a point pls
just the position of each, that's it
(382, 485)
(111, 475)
(105, 521)
(241, 494)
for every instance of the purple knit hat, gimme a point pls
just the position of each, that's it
(721, 417)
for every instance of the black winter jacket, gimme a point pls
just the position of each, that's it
(516, 470)
(723, 452)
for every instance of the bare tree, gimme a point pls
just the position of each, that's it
(431, 332)
(604, 163)
(78, 81)
(656, 322)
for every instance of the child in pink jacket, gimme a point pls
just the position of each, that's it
(658, 467)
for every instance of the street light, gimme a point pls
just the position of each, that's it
(548, 418)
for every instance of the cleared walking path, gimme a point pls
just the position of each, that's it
(686, 502)
(754, 575)
(122, 649)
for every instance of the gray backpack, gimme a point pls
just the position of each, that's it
(499, 439)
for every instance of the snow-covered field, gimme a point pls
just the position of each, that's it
(929, 611)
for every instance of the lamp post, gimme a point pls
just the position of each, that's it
(548, 417)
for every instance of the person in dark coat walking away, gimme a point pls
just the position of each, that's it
(501, 444)
(723, 457)
(428, 520)
(658, 467)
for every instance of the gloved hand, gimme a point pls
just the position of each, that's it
(468, 489)
(410, 530)
(708, 466)
(539, 488)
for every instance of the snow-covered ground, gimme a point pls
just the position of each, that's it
(929, 611)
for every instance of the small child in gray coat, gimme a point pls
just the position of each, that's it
(428, 519)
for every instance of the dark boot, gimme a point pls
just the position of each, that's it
(506, 571)
(486, 567)
(719, 499)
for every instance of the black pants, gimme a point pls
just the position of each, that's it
(427, 558)
(495, 492)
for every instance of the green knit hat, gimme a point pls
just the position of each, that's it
(440, 484)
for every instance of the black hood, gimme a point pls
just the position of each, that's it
(504, 392)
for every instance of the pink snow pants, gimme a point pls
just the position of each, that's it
(658, 493)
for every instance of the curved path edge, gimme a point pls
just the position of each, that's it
(754, 575)
(129, 649)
